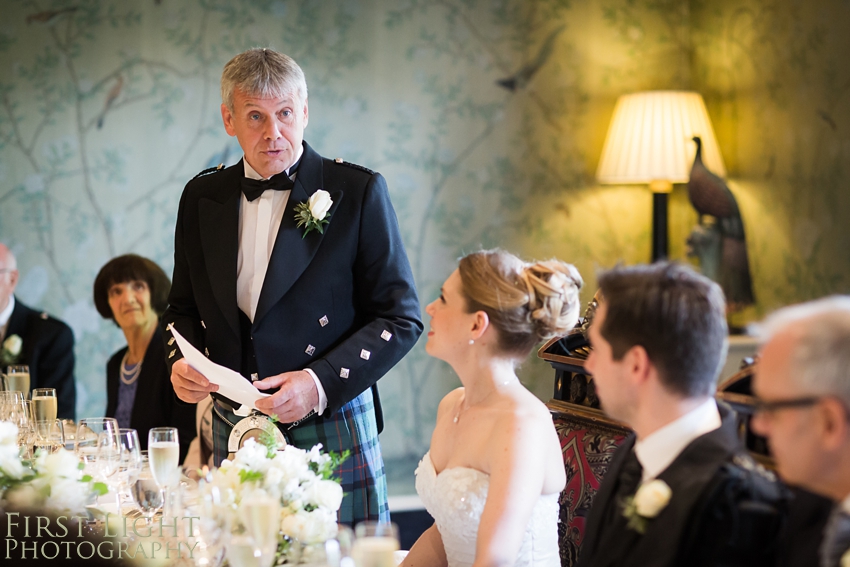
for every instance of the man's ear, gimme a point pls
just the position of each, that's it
(480, 324)
(638, 364)
(306, 114)
(227, 118)
(13, 279)
(835, 423)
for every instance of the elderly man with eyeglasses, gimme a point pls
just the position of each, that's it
(803, 386)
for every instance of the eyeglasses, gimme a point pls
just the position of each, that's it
(763, 406)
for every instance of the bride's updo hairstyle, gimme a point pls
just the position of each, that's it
(526, 302)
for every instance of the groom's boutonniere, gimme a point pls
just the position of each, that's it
(647, 503)
(11, 350)
(313, 215)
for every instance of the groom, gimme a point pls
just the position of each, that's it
(682, 490)
(313, 314)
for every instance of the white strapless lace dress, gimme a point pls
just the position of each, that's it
(455, 498)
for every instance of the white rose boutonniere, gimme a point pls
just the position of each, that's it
(313, 215)
(647, 503)
(11, 349)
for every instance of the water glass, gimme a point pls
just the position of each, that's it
(130, 461)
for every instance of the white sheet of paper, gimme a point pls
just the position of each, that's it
(230, 384)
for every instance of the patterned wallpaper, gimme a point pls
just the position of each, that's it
(486, 117)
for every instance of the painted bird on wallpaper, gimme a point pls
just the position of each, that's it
(113, 94)
(521, 78)
(711, 197)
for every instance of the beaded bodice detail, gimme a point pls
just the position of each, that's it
(456, 497)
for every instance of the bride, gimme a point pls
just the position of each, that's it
(492, 477)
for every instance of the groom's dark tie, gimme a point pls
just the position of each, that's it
(836, 538)
(254, 188)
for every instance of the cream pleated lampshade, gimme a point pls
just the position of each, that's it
(650, 139)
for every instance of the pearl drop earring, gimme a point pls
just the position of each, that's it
(472, 341)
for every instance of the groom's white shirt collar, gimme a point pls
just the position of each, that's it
(659, 449)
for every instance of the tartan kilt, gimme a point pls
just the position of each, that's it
(353, 427)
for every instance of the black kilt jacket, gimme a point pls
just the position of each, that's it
(725, 510)
(48, 349)
(342, 303)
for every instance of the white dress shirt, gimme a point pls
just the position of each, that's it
(660, 449)
(259, 223)
(5, 315)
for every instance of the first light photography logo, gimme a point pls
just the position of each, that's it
(118, 537)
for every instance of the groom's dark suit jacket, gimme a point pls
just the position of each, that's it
(48, 349)
(724, 510)
(347, 293)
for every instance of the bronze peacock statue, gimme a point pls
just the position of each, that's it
(725, 228)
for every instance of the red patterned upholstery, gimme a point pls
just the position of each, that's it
(588, 441)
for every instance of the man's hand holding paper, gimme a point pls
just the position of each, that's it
(296, 397)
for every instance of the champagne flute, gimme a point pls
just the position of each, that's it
(164, 455)
(44, 403)
(18, 379)
(86, 437)
(375, 544)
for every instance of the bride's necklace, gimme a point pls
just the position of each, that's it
(128, 377)
(461, 409)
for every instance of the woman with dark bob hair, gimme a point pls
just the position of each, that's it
(133, 291)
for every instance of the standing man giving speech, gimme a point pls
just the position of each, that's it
(289, 269)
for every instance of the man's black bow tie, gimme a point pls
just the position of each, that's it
(253, 188)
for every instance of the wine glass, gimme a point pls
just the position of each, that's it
(86, 437)
(164, 455)
(49, 435)
(18, 379)
(130, 460)
(375, 544)
(9, 400)
(145, 491)
(44, 404)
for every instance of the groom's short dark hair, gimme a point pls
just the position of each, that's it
(677, 315)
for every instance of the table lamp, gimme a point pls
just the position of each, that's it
(650, 142)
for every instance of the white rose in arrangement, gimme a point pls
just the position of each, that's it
(651, 498)
(13, 345)
(310, 527)
(8, 434)
(10, 461)
(320, 203)
(61, 464)
(252, 456)
(324, 494)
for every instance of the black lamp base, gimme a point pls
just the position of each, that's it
(660, 245)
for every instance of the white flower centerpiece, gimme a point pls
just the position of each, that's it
(301, 481)
(51, 481)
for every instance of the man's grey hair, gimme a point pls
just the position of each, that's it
(264, 73)
(820, 360)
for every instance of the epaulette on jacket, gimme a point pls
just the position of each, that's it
(219, 167)
(354, 165)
